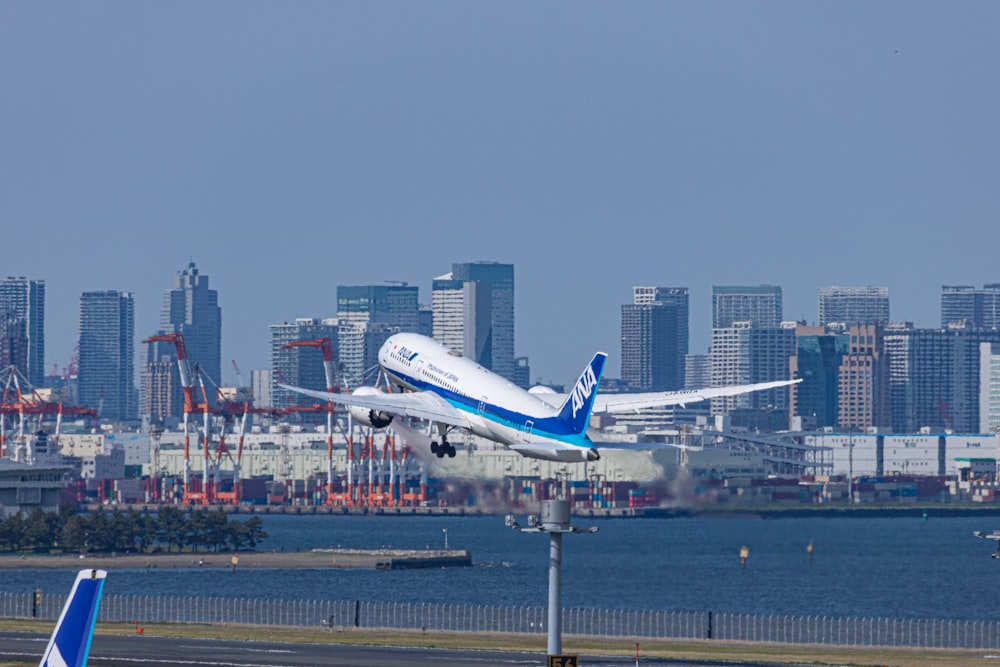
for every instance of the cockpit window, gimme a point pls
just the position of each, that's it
(454, 353)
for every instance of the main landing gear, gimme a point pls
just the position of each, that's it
(444, 448)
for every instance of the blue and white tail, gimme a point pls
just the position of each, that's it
(575, 411)
(70, 642)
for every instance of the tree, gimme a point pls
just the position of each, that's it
(255, 532)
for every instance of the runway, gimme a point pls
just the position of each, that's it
(149, 651)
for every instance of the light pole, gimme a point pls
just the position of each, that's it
(554, 521)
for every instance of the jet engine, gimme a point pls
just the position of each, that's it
(367, 416)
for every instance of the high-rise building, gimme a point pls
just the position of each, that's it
(896, 341)
(989, 388)
(190, 307)
(106, 375)
(965, 305)
(500, 278)
(464, 316)
(394, 305)
(862, 380)
(357, 350)
(759, 305)
(654, 337)
(744, 354)
(300, 366)
(942, 385)
(854, 305)
(697, 371)
(22, 327)
(817, 363)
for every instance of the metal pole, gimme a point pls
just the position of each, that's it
(555, 593)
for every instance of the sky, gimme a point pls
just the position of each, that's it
(287, 148)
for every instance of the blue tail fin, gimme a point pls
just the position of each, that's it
(575, 412)
(70, 642)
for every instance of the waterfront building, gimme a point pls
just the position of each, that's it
(817, 360)
(357, 350)
(654, 333)
(191, 308)
(22, 327)
(697, 371)
(854, 305)
(939, 375)
(300, 366)
(989, 388)
(744, 354)
(969, 307)
(759, 305)
(492, 342)
(463, 317)
(106, 375)
(395, 305)
(862, 380)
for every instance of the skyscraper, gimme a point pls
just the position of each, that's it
(654, 334)
(759, 305)
(357, 350)
(465, 316)
(106, 376)
(817, 362)
(743, 354)
(191, 308)
(963, 304)
(22, 327)
(394, 305)
(500, 278)
(854, 305)
(299, 366)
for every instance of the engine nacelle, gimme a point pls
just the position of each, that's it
(366, 416)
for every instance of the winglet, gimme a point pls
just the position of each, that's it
(575, 411)
(70, 641)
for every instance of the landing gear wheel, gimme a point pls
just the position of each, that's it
(434, 447)
(451, 451)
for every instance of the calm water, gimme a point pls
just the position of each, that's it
(895, 567)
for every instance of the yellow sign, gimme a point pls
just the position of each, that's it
(564, 660)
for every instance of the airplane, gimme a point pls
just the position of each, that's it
(454, 392)
(70, 641)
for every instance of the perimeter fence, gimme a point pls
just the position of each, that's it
(333, 614)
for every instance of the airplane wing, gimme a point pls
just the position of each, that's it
(629, 402)
(419, 404)
(641, 446)
(987, 536)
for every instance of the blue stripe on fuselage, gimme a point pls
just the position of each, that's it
(548, 427)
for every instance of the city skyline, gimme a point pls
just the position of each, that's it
(288, 150)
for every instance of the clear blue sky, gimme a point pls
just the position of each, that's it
(291, 147)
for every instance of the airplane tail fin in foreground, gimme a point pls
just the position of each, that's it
(70, 641)
(575, 411)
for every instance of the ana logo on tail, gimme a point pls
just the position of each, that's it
(583, 389)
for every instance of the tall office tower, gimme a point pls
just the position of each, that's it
(862, 385)
(394, 305)
(743, 354)
(989, 387)
(261, 384)
(655, 338)
(697, 371)
(760, 305)
(358, 345)
(522, 373)
(896, 341)
(463, 317)
(22, 327)
(963, 304)
(190, 308)
(854, 305)
(425, 321)
(300, 366)
(945, 377)
(106, 375)
(500, 278)
(817, 362)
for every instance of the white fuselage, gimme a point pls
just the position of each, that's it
(493, 407)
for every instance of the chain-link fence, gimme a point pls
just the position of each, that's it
(869, 632)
